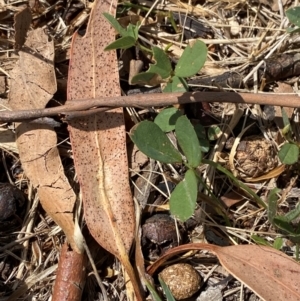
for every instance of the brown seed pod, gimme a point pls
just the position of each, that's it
(182, 279)
(255, 156)
(160, 228)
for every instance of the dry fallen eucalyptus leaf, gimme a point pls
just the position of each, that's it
(32, 85)
(271, 274)
(99, 141)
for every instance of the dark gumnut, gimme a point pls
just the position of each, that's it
(11, 199)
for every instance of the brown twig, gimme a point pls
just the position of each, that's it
(70, 277)
(87, 106)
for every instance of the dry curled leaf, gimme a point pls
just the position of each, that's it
(270, 273)
(99, 141)
(32, 85)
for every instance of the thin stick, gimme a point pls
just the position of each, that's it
(147, 100)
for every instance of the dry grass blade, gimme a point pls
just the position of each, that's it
(31, 281)
(33, 83)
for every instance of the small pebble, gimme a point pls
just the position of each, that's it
(182, 279)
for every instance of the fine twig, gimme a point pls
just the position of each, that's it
(82, 107)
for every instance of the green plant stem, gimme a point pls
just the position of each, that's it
(297, 252)
(219, 208)
(152, 291)
(170, 15)
(184, 83)
(166, 290)
(236, 181)
(144, 48)
(168, 47)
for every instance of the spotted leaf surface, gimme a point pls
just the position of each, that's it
(98, 141)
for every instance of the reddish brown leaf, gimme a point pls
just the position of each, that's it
(70, 276)
(269, 273)
(32, 85)
(99, 141)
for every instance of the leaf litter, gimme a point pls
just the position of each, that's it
(240, 36)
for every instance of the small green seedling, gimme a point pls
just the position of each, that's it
(284, 222)
(151, 139)
(129, 35)
(167, 118)
(293, 14)
(191, 61)
(277, 244)
(153, 142)
(289, 152)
